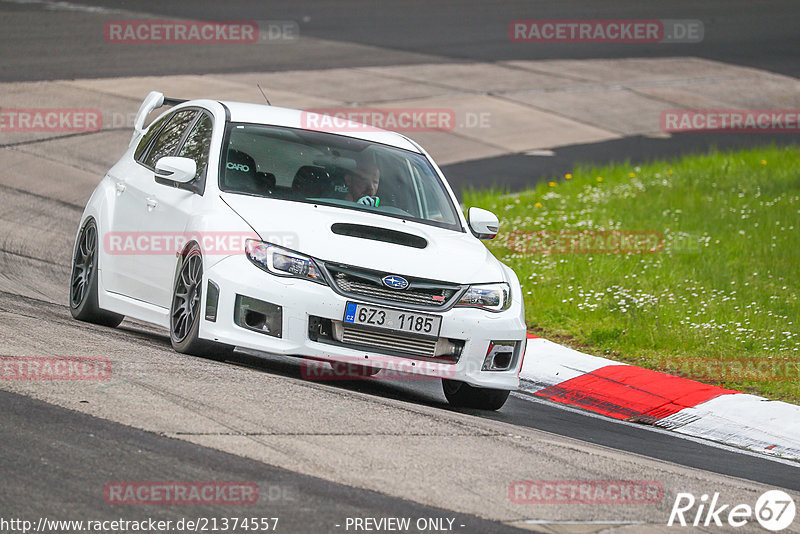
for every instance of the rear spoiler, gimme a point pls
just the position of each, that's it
(152, 101)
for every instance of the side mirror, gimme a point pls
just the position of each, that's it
(483, 223)
(178, 170)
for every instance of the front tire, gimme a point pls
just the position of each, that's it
(83, 303)
(462, 395)
(184, 314)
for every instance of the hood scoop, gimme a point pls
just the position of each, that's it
(379, 234)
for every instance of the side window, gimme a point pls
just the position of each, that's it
(169, 137)
(148, 136)
(198, 144)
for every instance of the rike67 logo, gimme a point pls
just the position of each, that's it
(774, 510)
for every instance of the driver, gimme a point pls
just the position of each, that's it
(362, 184)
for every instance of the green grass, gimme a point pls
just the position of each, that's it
(722, 291)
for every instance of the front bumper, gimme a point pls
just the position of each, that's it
(301, 300)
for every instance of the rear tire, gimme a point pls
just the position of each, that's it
(184, 313)
(83, 303)
(462, 395)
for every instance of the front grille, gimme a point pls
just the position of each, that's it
(391, 342)
(368, 284)
(422, 298)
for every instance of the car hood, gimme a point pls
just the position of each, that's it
(449, 256)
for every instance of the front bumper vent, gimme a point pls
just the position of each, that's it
(392, 342)
(259, 316)
(443, 350)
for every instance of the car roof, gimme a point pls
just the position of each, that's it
(295, 118)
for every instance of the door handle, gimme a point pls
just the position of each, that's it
(120, 187)
(151, 204)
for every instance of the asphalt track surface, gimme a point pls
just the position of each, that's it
(59, 43)
(54, 459)
(46, 40)
(82, 453)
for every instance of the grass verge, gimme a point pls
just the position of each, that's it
(689, 267)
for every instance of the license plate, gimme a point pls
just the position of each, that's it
(410, 322)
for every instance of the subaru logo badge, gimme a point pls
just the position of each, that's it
(395, 282)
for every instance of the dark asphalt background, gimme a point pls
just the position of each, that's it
(41, 41)
(56, 462)
(42, 44)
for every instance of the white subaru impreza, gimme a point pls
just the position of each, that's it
(237, 225)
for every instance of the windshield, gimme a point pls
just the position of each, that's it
(323, 168)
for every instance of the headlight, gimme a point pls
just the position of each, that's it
(494, 297)
(282, 262)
